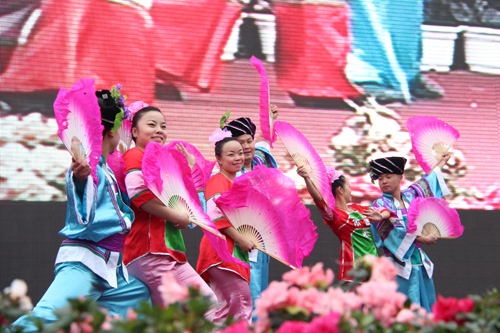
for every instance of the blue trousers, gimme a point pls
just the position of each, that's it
(73, 280)
(259, 277)
(419, 288)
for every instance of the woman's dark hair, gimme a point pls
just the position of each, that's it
(219, 145)
(109, 109)
(141, 113)
(338, 183)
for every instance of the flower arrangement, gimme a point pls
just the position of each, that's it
(307, 300)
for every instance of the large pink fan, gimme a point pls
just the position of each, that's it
(78, 117)
(265, 207)
(433, 216)
(430, 139)
(303, 154)
(203, 164)
(266, 116)
(167, 175)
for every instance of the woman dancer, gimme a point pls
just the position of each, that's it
(350, 222)
(155, 244)
(229, 281)
(89, 261)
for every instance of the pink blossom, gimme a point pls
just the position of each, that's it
(342, 302)
(274, 295)
(382, 299)
(406, 316)
(239, 327)
(327, 323)
(292, 326)
(134, 107)
(308, 277)
(171, 291)
(382, 268)
(218, 135)
(131, 314)
(333, 174)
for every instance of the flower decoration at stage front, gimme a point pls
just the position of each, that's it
(219, 134)
(333, 174)
(120, 102)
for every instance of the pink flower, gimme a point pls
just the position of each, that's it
(171, 291)
(312, 300)
(446, 309)
(134, 107)
(382, 299)
(342, 302)
(292, 326)
(239, 327)
(406, 316)
(307, 277)
(333, 174)
(382, 268)
(131, 314)
(328, 323)
(218, 135)
(274, 295)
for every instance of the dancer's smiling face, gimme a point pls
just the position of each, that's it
(248, 144)
(231, 157)
(151, 127)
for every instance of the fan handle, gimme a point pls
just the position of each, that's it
(447, 150)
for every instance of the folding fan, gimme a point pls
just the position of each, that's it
(125, 132)
(433, 216)
(257, 220)
(78, 118)
(266, 116)
(430, 139)
(264, 205)
(167, 175)
(303, 154)
(204, 165)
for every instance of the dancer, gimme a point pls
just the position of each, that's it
(89, 261)
(229, 281)
(155, 244)
(405, 250)
(350, 222)
(243, 129)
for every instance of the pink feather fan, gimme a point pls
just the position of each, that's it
(433, 216)
(430, 139)
(266, 116)
(167, 174)
(78, 117)
(303, 154)
(264, 206)
(205, 166)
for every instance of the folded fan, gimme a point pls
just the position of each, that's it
(167, 175)
(125, 132)
(266, 116)
(430, 139)
(272, 213)
(78, 118)
(433, 216)
(303, 154)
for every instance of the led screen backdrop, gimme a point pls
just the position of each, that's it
(191, 59)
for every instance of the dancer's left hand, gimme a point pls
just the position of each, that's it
(190, 157)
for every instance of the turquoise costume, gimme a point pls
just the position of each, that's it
(259, 273)
(414, 266)
(89, 261)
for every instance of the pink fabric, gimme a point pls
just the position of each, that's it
(150, 268)
(233, 293)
